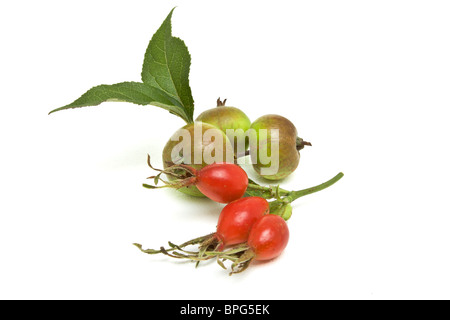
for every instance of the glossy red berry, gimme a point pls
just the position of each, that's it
(238, 217)
(222, 182)
(268, 237)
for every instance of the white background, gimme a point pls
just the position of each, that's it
(367, 82)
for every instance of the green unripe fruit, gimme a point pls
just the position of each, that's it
(287, 154)
(224, 117)
(282, 209)
(203, 149)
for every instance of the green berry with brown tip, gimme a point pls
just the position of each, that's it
(289, 145)
(225, 117)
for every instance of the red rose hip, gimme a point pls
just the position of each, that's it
(268, 237)
(222, 182)
(238, 217)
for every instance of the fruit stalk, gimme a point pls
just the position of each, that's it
(294, 195)
(290, 196)
(271, 191)
(300, 143)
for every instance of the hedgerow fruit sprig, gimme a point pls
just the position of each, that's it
(247, 219)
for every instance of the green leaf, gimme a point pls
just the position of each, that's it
(166, 66)
(134, 92)
(165, 77)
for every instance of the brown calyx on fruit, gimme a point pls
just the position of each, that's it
(300, 143)
(182, 176)
(221, 103)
